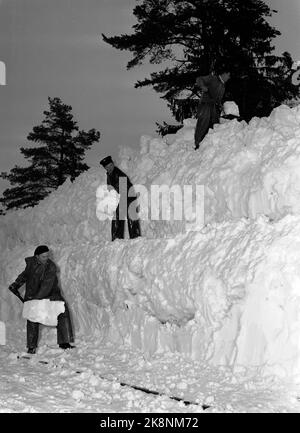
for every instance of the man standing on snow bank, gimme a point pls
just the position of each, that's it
(121, 183)
(40, 277)
(209, 109)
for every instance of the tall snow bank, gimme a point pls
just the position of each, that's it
(227, 293)
(247, 170)
(68, 215)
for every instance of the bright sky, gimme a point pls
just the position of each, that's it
(54, 48)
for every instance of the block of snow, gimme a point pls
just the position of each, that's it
(2, 334)
(230, 107)
(296, 65)
(107, 202)
(43, 311)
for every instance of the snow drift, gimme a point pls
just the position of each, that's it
(227, 293)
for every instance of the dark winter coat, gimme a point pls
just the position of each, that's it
(113, 179)
(209, 109)
(40, 279)
(215, 89)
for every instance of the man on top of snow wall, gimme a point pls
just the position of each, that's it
(209, 109)
(122, 184)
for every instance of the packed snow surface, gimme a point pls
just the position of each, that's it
(224, 294)
(96, 377)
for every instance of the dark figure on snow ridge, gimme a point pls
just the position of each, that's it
(40, 277)
(121, 183)
(209, 109)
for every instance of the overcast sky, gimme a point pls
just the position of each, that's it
(54, 48)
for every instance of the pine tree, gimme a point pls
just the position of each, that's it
(195, 37)
(60, 155)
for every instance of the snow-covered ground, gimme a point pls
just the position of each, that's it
(207, 313)
(97, 377)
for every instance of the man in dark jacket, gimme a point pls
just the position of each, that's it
(209, 109)
(121, 183)
(40, 277)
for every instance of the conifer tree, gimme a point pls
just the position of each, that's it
(59, 155)
(194, 37)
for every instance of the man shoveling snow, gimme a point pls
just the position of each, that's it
(209, 109)
(40, 277)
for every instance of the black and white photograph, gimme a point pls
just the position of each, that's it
(149, 210)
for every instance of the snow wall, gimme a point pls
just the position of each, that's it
(226, 293)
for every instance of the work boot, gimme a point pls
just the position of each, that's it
(66, 346)
(31, 350)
